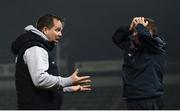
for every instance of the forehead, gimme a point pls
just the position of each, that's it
(57, 23)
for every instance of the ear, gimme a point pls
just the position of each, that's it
(45, 30)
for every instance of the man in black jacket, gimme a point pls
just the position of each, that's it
(38, 82)
(144, 63)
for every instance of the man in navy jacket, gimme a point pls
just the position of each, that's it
(144, 63)
(38, 82)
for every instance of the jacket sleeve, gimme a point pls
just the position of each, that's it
(121, 37)
(37, 61)
(152, 44)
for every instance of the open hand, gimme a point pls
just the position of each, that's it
(77, 88)
(79, 79)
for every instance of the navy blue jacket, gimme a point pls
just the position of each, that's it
(144, 65)
(29, 96)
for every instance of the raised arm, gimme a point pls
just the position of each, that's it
(121, 37)
(148, 38)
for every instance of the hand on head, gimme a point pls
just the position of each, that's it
(136, 21)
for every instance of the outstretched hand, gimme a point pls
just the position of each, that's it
(80, 82)
(79, 79)
(77, 88)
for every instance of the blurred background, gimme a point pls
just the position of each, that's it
(86, 44)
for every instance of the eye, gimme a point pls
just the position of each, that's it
(57, 30)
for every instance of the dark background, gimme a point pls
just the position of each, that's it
(89, 26)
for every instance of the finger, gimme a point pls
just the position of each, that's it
(139, 20)
(132, 24)
(85, 81)
(86, 86)
(85, 89)
(142, 19)
(135, 18)
(135, 22)
(146, 23)
(84, 77)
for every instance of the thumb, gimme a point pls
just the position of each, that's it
(76, 72)
(146, 23)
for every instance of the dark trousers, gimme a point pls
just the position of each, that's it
(155, 103)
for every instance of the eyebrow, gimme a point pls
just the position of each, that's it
(58, 28)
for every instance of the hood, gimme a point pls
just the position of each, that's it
(31, 34)
(36, 31)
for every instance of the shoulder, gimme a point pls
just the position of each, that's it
(36, 49)
(35, 53)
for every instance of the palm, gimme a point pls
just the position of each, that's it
(81, 88)
(78, 80)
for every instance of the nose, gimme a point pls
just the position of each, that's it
(60, 34)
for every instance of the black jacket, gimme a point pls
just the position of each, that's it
(29, 96)
(144, 64)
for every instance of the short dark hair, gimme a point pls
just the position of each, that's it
(152, 26)
(47, 21)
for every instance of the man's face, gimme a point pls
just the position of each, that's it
(55, 33)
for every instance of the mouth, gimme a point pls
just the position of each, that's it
(57, 40)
